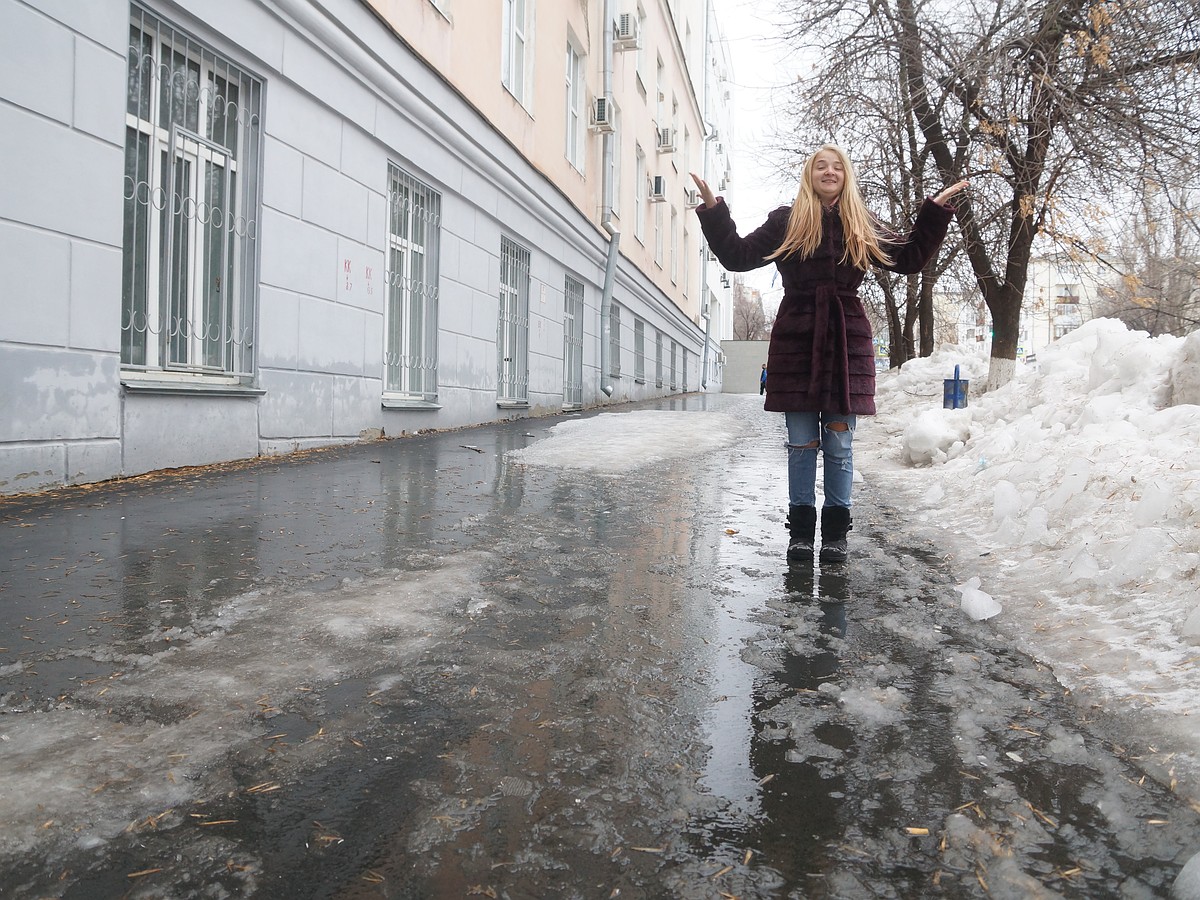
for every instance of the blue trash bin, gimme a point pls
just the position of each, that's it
(954, 391)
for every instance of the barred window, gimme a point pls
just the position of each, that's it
(572, 342)
(192, 146)
(639, 350)
(674, 365)
(411, 324)
(512, 335)
(658, 359)
(614, 341)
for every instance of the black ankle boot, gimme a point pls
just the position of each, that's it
(835, 524)
(802, 530)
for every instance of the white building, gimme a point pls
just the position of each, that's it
(241, 227)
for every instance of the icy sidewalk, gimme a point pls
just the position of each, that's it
(433, 665)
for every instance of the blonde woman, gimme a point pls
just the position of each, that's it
(821, 356)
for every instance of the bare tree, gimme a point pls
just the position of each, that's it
(1037, 101)
(749, 319)
(1158, 264)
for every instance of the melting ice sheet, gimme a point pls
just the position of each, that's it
(613, 443)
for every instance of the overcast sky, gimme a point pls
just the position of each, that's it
(761, 68)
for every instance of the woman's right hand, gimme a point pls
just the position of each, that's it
(706, 193)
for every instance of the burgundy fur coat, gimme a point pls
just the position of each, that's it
(821, 357)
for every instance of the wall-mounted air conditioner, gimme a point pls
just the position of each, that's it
(602, 115)
(666, 140)
(625, 32)
(658, 188)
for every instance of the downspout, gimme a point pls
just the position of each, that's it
(606, 220)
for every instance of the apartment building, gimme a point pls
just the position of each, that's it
(232, 228)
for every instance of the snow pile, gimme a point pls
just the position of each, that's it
(614, 443)
(1071, 495)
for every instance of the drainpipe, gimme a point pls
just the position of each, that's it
(606, 222)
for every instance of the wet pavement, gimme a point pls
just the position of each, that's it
(421, 669)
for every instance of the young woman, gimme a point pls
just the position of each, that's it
(821, 356)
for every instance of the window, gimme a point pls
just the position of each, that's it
(640, 64)
(658, 359)
(575, 86)
(658, 233)
(192, 142)
(512, 329)
(685, 368)
(674, 370)
(615, 171)
(674, 246)
(572, 343)
(614, 341)
(639, 351)
(686, 253)
(514, 47)
(640, 179)
(411, 316)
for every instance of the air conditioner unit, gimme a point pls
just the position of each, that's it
(658, 188)
(666, 140)
(693, 197)
(602, 115)
(625, 32)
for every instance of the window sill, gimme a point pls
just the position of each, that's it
(408, 403)
(193, 386)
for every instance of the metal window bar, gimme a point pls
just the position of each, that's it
(614, 341)
(572, 343)
(193, 138)
(639, 349)
(658, 359)
(411, 326)
(512, 331)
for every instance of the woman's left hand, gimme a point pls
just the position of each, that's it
(949, 192)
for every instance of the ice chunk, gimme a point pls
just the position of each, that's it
(1154, 505)
(934, 432)
(1191, 627)
(977, 604)
(1006, 501)
(1187, 882)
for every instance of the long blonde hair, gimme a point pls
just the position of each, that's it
(803, 234)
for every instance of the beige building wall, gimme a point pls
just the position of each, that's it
(464, 40)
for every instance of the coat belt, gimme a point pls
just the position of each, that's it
(830, 327)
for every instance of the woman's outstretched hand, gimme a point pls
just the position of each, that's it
(706, 193)
(949, 192)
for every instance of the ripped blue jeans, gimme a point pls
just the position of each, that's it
(808, 432)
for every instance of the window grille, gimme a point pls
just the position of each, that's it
(572, 343)
(512, 336)
(192, 147)
(674, 370)
(411, 323)
(639, 350)
(658, 359)
(614, 341)
(684, 369)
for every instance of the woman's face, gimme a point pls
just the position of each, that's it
(828, 176)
